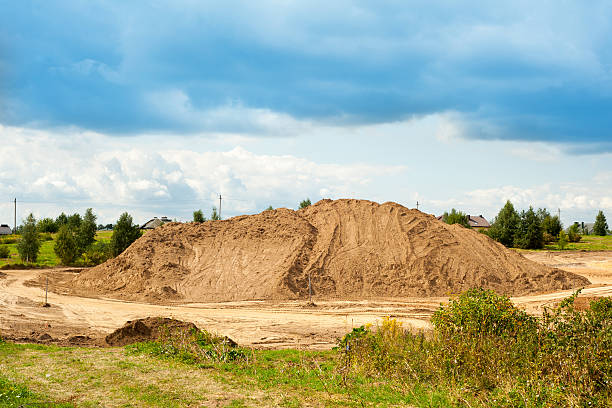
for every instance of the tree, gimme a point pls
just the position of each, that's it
(29, 244)
(562, 242)
(66, 247)
(214, 216)
(198, 216)
(456, 217)
(74, 221)
(529, 234)
(573, 233)
(551, 225)
(305, 203)
(46, 225)
(504, 226)
(61, 219)
(86, 234)
(270, 208)
(601, 225)
(124, 234)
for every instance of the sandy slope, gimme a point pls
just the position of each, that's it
(351, 249)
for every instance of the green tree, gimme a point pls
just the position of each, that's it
(66, 246)
(456, 217)
(214, 216)
(562, 241)
(601, 225)
(198, 216)
(573, 233)
(125, 233)
(29, 244)
(46, 225)
(504, 226)
(529, 234)
(305, 203)
(550, 224)
(61, 219)
(86, 234)
(270, 208)
(74, 221)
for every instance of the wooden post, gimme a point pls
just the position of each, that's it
(46, 291)
(309, 290)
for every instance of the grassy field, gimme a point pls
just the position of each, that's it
(46, 256)
(587, 243)
(131, 377)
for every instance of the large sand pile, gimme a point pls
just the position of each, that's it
(350, 248)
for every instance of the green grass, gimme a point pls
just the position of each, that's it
(587, 243)
(46, 256)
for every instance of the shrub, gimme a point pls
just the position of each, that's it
(97, 253)
(4, 251)
(482, 312)
(47, 225)
(487, 349)
(10, 239)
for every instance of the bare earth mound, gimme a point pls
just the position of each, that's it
(147, 329)
(350, 249)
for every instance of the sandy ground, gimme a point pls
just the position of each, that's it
(82, 320)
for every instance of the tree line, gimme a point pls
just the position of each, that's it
(529, 229)
(76, 238)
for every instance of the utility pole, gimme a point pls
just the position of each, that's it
(417, 204)
(309, 290)
(559, 213)
(219, 206)
(15, 219)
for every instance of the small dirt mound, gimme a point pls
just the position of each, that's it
(147, 329)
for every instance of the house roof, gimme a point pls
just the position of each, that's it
(5, 230)
(155, 222)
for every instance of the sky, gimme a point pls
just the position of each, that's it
(158, 107)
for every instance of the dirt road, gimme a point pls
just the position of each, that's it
(255, 323)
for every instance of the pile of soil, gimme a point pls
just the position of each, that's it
(147, 329)
(349, 248)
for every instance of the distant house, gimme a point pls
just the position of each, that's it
(478, 222)
(155, 222)
(5, 229)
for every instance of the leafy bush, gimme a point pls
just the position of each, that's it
(488, 350)
(562, 241)
(192, 347)
(482, 312)
(97, 253)
(4, 251)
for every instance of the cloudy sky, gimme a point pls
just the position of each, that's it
(158, 107)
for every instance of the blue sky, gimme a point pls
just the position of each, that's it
(451, 104)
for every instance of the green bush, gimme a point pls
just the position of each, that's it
(573, 233)
(4, 251)
(456, 217)
(482, 312)
(491, 352)
(97, 253)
